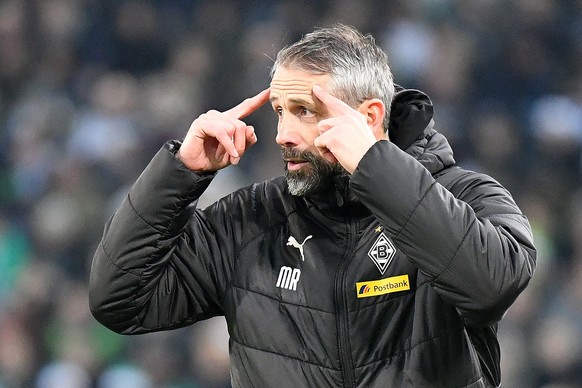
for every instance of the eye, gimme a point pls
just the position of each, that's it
(278, 110)
(303, 111)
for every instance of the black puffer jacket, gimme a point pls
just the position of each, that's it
(387, 280)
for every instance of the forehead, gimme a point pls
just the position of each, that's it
(288, 83)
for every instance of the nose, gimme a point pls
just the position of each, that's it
(287, 135)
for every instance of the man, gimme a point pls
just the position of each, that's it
(373, 263)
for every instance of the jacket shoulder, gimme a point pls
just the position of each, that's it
(265, 203)
(486, 196)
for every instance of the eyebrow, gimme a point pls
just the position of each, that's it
(294, 100)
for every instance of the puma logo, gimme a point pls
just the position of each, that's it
(295, 244)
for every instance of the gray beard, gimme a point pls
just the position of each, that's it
(315, 177)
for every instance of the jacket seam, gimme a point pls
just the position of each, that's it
(177, 206)
(463, 240)
(247, 242)
(508, 216)
(134, 299)
(262, 232)
(456, 180)
(140, 216)
(456, 250)
(398, 354)
(156, 249)
(108, 256)
(254, 201)
(161, 231)
(284, 355)
(281, 301)
(458, 246)
(232, 274)
(479, 376)
(414, 210)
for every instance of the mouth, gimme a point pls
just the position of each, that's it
(295, 164)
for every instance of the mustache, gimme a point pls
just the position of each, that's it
(293, 153)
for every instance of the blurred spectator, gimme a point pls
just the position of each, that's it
(89, 91)
(15, 253)
(122, 376)
(209, 347)
(63, 375)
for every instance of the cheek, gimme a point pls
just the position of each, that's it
(298, 129)
(310, 133)
(309, 127)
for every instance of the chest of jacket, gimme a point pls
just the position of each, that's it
(331, 292)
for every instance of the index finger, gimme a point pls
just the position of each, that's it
(249, 105)
(333, 104)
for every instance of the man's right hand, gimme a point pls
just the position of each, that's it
(218, 139)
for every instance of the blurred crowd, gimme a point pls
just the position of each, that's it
(90, 90)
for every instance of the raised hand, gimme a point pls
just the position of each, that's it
(217, 139)
(347, 134)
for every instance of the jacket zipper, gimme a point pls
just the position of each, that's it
(345, 351)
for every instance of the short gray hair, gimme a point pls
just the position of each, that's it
(358, 67)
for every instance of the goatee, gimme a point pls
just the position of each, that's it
(316, 176)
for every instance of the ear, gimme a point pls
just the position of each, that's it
(374, 110)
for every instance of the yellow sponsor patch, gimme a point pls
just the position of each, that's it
(382, 286)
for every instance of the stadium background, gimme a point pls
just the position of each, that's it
(89, 90)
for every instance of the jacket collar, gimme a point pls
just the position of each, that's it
(337, 195)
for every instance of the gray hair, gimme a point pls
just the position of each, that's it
(358, 67)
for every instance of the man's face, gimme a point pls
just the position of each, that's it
(299, 112)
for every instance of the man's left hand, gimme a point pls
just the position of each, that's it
(345, 136)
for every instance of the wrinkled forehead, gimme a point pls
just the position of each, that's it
(292, 83)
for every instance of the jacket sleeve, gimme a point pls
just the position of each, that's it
(148, 272)
(476, 249)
